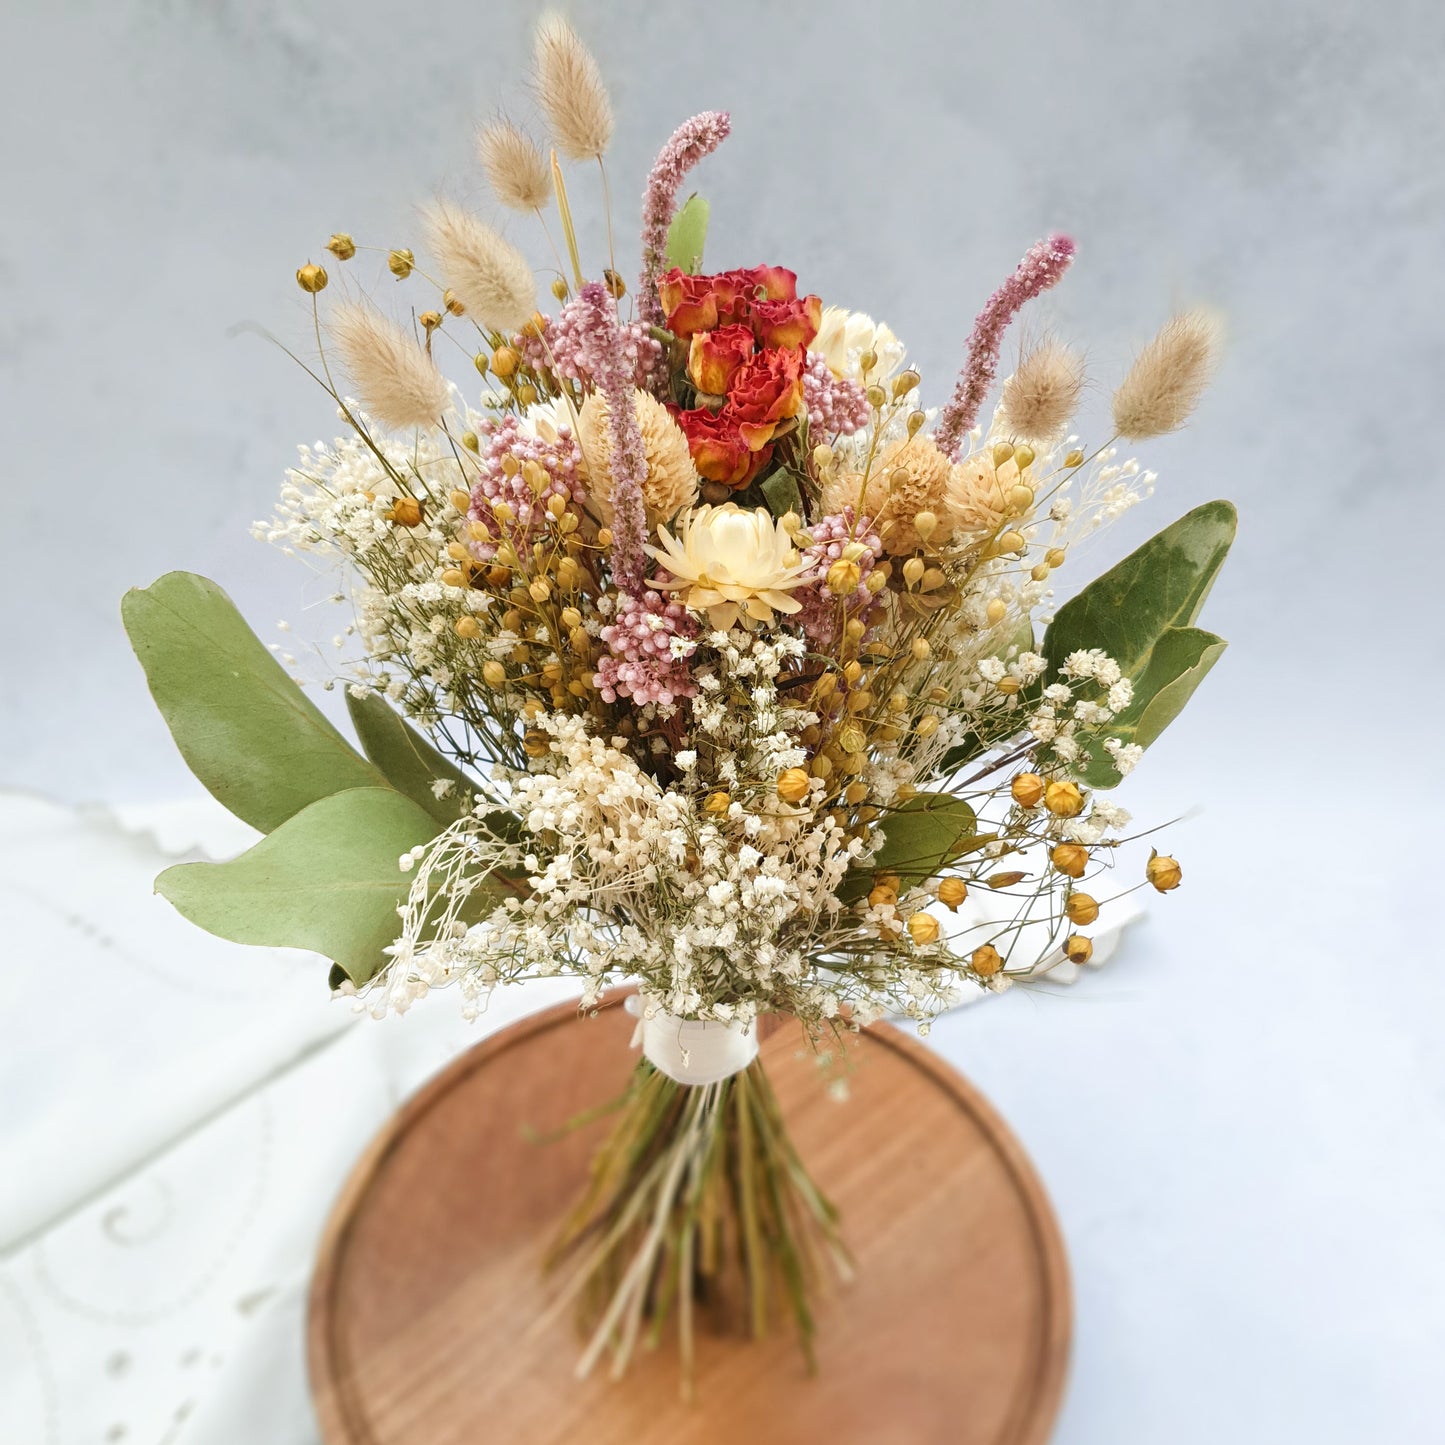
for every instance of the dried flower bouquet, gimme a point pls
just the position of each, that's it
(696, 651)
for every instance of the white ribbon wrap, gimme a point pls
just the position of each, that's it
(692, 1051)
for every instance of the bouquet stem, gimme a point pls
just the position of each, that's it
(697, 1204)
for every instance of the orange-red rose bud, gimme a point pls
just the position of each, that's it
(714, 356)
(719, 450)
(787, 323)
(765, 391)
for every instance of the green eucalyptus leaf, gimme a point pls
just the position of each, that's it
(258, 744)
(1174, 667)
(327, 879)
(687, 233)
(920, 836)
(1141, 612)
(409, 762)
(1159, 585)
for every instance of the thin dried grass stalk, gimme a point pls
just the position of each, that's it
(396, 381)
(515, 167)
(1041, 397)
(490, 277)
(571, 91)
(1169, 376)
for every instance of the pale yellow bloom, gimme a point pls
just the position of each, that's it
(844, 335)
(731, 564)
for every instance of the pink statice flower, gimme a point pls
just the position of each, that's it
(836, 405)
(508, 461)
(649, 643)
(824, 612)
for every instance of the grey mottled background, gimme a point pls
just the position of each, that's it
(1252, 1174)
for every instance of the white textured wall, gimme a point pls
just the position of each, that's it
(1252, 1191)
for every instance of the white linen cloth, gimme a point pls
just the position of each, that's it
(179, 1114)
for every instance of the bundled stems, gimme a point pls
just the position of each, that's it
(696, 1200)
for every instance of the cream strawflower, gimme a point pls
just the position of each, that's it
(843, 336)
(731, 564)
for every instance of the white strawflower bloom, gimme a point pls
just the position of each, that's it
(843, 336)
(731, 563)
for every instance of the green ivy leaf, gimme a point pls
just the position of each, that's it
(327, 879)
(687, 233)
(921, 836)
(1141, 612)
(256, 742)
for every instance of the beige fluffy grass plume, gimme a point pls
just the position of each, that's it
(570, 88)
(671, 481)
(394, 378)
(1166, 381)
(1041, 397)
(515, 167)
(490, 276)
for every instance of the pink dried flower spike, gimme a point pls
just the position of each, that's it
(691, 142)
(1043, 264)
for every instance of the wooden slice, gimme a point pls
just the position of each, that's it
(427, 1293)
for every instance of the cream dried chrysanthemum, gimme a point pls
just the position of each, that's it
(909, 480)
(843, 336)
(490, 276)
(731, 564)
(1041, 397)
(515, 167)
(395, 379)
(1166, 381)
(671, 481)
(570, 88)
(978, 493)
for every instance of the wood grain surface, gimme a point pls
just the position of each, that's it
(427, 1293)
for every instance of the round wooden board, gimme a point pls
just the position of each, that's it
(427, 1289)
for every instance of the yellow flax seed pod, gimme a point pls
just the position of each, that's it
(1011, 541)
(461, 501)
(922, 649)
(454, 577)
(1081, 909)
(1071, 859)
(1008, 685)
(1164, 872)
(560, 289)
(1078, 949)
(505, 361)
(882, 896)
(405, 512)
(1023, 457)
(1002, 452)
(1063, 799)
(855, 793)
(1074, 459)
(997, 611)
(341, 246)
(430, 320)
(467, 627)
(926, 726)
(986, 960)
(717, 804)
(844, 577)
(1055, 556)
(311, 279)
(793, 785)
(1027, 790)
(952, 892)
(493, 673)
(471, 441)
(923, 929)
(537, 744)
(400, 263)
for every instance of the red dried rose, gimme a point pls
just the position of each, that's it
(714, 356)
(720, 452)
(787, 323)
(765, 391)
